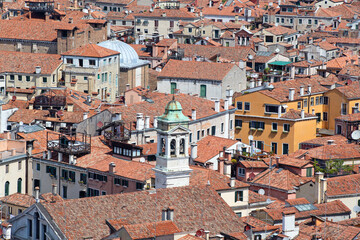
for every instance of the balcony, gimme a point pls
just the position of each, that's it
(70, 145)
(115, 131)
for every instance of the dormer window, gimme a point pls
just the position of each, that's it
(237, 9)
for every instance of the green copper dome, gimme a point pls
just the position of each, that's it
(173, 113)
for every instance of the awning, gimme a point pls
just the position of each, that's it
(280, 63)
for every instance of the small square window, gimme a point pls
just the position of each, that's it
(247, 106)
(286, 127)
(274, 127)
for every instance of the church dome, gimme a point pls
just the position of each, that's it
(173, 113)
(128, 55)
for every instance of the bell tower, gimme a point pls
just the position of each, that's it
(172, 157)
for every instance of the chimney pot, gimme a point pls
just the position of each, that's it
(309, 89)
(232, 182)
(217, 105)
(13, 152)
(54, 189)
(193, 114)
(37, 192)
(112, 167)
(302, 113)
(291, 94)
(207, 234)
(147, 122)
(302, 90)
(193, 151)
(226, 104)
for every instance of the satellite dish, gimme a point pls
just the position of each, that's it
(251, 137)
(268, 201)
(250, 57)
(355, 135)
(277, 50)
(142, 160)
(356, 209)
(21, 123)
(261, 191)
(199, 233)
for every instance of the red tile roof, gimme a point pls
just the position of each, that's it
(91, 50)
(18, 199)
(337, 151)
(280, 30)
(210, 146)
(258, 198)
(253, 164)
(195, 70)
(22, 62)
(181, 13)
(84, 217)
(295, 114)
(320, 141)
(350, 91)
(150, 230)
(343, 185)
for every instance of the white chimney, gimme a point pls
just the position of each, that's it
(112, 167)
(37, 69)
(54, 189)
(139, 121)
(71, 159)
(331, 142)
(302, 113)
(207, 234)
(302, 90)
(288, 224)
(242, 64)
(147, 122)
(291, 94)
(226, 104)
(229, 94)
(37, 193)
(155, 122)
(85, 115)
(252, 83)
(193, 114)
(116, 117)
(193, 153)
(6, 229)
(217, 105)
(309, 89)
(60, 157)
(320, 187)
(258, 83)
(232, 182)
(127, 87)
(313, 112)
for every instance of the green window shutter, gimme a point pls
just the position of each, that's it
(241, 195)
(203, 91)
(236, 196)
(19, 182)
(173, 87)
(7, 188)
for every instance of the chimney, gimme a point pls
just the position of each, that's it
(331, 142)
(60, 157)
(229, 94)
(117, 117)
(313, 111)
(242, 64)
(309, 89)
(163, 215)
(170, 214)
(232, 182)
(258, 82)
(217, 105)
(252, 83)
(71, 159)
(226, 104)
(112, 167)
(37, 69)
(139, 121)
(127, 87)
(320, 187)
(291, 94)
(193, 114)
(302, 90)
(71, 20)
(288, 224)
(163, 14)
(155, 122)
(6, 230)
(37, 192)
(85, 115)
(13, 152)
(302, 113)
(207, 235)
(147, 122)
(193, 153)
(54, 189)
(277, 161)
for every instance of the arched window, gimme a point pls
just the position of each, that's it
(19, 185)
(182, 146)
(7, 186)
(172, 147)
(162, 146)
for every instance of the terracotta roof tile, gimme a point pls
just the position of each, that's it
(18, 199)
(280, 30)
(320, 141)
(150, 230)
(190, 237)
(253, 164)
(169, 13)
(88, 215)
(343, 185)
(195, 70)
(258, 198)
(337, 151)
(295, 114)
(297, 201)
(91, 50)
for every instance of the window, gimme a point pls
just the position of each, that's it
(173, 87)
(259, 145)
(309, 21)
(92, 62)
(247, 106)
(285, 148)
(300, 21)
(69, 60)
(7, 168)
(239, 214)
(305, 102)
(257, 125)
(7, 185)
(93, 192)
(338, 129)
(239, 196)
(44, 231)
(103, 193)
(222, 127)
(241, 171)
(171, 23)
(277, 20)
(198, 135)
(239, 105)
(312, 101)
(190, 137)
(28, 78)
(325, 116)
(44, 79)
(213, 130)
(83, 178)
(299, 105)
(343, 108)
(117, 181)
(286, 127)
(29, 227)
(291, 20)
(12, 77)
(64, 191)
(317, 101)
(231, 124)
(318, 115)
(156, 23)
(19, 165)
(273, 109)
(274, 147)
(269, 39)
(326, 100)
(19, 185)
(50, 170)
(238, 123)
(309, 171)
(203, 91)
(71, 176)
(20, 78)
(38, 167)
(274, 127)
(316, 21)
(190, 30)
(139, 186)
(282, 20)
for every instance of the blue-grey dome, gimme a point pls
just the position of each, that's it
(128, 56)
